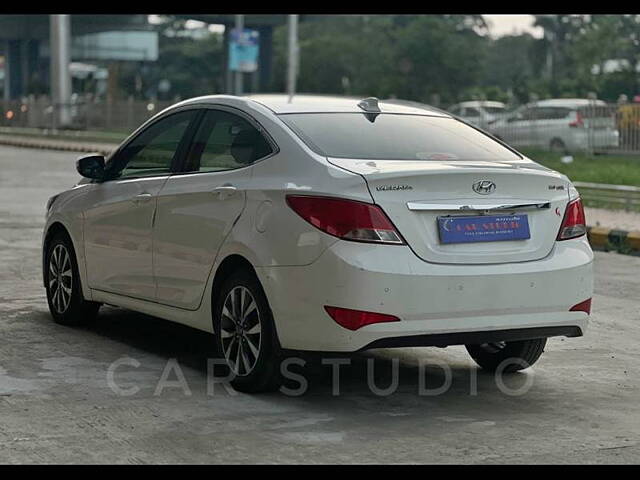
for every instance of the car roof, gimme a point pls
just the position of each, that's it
(568, 102)
(280, 103)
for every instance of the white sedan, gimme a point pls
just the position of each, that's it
(323, 224)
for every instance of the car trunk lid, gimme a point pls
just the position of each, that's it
(414, 194)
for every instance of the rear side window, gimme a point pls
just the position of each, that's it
(388, 136)
(596, 111)
(225, 141)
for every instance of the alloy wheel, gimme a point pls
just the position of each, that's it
(60, 278)
(240, 331)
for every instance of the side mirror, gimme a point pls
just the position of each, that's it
(91, 166)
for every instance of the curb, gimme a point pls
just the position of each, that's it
(102, 148)
(608, 239)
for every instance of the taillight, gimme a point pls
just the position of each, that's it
(574, 223)
(582, 307)
(355, 319)
(346, 219)
(577, 122)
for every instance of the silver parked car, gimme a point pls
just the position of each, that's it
(562, 125)
(479, 113)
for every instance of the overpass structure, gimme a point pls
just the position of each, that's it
(25, 46)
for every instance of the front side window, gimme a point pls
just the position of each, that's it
(388, 136)
(559, 112)
(530, 113)
(152, 151)
(225, 141)
(472, 112)
(494, 110)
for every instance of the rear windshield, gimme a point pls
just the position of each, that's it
(494, 109)
(389, 136)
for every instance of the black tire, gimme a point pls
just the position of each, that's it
(68, 306)
(557, 146)
(264, 373)
(524, 352)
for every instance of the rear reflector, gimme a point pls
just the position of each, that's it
(346, 219)
(582, 307)
(354, 319)
(574, 223)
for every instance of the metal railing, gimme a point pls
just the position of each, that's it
(86, 114)
(614, 196)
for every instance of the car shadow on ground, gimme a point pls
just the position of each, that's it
(376, 373)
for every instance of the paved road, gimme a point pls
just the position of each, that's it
(56, 404)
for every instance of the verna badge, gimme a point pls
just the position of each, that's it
(484, 187)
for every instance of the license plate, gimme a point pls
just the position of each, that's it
(484, 228)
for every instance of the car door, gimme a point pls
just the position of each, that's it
(119, 211)
(198, 207)
(548, 125)
(541, 126)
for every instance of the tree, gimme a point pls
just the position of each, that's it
(510, 67)
(410, 56)
(559, 33)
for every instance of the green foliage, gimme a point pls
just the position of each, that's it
(411, 57)
(437, 59)
(608, 169)
(446, 58)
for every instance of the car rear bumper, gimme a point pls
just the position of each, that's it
(438, 304)
(474, 338)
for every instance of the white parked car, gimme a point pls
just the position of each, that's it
(479, 113)
(322, 224)
(560, 125)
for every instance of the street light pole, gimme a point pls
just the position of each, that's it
(238, 75)
(292, 69)
(60, 41)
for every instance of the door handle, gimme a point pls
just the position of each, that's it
(142, 198)
(225, 191)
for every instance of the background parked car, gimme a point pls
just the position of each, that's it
(561, 125)
(479, 113)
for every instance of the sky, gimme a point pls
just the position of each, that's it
(500, 25)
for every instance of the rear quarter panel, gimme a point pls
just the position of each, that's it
(269, 232)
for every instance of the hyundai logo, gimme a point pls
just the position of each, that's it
(484, 187)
